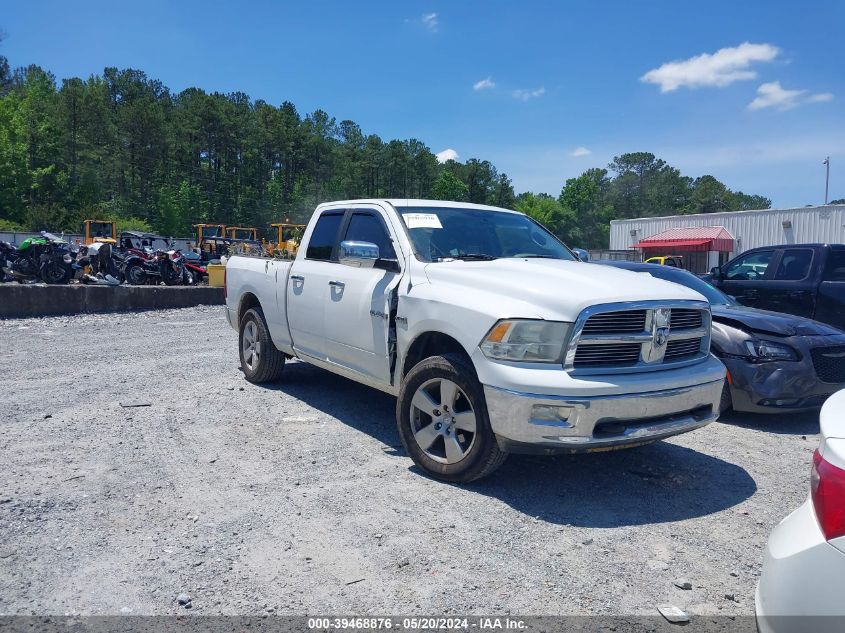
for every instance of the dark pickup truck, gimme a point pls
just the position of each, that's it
(803, 279)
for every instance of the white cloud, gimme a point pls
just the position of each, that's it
(430, 21)
(719, 69)
(484, 84)
(581, 151)
(525, 95)
(822, 97)
(446, 155)
(772, 95)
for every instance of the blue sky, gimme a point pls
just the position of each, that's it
(568, 86)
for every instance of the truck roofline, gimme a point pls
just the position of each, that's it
(412, 203)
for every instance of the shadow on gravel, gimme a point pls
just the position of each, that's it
(781, 423)
(368, 410)
(657, 483)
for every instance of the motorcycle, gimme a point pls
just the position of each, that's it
(137, 267)
(48, 258)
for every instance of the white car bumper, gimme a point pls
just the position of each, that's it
(801, 588)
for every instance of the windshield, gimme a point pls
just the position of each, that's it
(452, 233)
(715, 296)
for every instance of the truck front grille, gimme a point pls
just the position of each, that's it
(682, 348)
(616, 322)
(829, 363)
(683, 319)
(658, 336)
(610, 354)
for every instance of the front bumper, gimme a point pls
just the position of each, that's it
(781, 386)
(800, 588)
(522, 421)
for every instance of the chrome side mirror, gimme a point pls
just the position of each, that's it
(358, 254)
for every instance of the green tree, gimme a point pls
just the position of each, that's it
(543, 208)
(449, 187)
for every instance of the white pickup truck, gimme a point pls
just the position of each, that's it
(490, 332)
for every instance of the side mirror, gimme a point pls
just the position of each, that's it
(716, 271)
(358, 254)
(583, 255)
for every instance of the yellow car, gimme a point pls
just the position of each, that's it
(667, 260)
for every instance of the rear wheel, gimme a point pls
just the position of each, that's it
(443, 423)
(260, 360)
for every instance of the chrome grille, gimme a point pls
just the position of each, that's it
(684, 318)
(639, 337)
(607, 354)
(616, 322)
(682, 348)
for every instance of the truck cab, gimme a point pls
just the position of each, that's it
(807, 280)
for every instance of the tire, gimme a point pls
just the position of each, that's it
(54, 273)
(725, 402)
(135, 274)
(461, 446)
(170, 277)
(254, 341)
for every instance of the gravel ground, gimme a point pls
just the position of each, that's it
(298, 498)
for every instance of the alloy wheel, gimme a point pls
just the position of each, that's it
(251, 346)
(443, 421)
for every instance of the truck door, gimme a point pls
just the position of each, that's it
(307, 286)
(830, 302)
(744, 277)
(792, 289)
(358, 310)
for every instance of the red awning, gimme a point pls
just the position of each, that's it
(702, 238)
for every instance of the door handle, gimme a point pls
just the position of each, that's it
(297, 278)
(337, 284)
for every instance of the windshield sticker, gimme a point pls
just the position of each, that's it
(422, 221)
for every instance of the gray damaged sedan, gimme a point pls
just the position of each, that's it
(776, 362)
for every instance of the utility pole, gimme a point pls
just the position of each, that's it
(826, 177)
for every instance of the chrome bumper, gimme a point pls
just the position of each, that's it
(526, 422)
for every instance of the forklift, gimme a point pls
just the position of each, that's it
(288, 237)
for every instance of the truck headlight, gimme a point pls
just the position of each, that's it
(768, 350)
(526, 341)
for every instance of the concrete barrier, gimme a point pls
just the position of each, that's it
(17, 301)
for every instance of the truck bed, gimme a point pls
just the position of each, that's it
(262, 281)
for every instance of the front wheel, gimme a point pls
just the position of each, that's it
(54, 273)
(135, 274)
(726, 401)
(443, 423)
(260, 360)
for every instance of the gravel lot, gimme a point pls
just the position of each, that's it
(298, 498)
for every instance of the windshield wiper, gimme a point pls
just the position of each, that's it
(532, 256)
(482, 257)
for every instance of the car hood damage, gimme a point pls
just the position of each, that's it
(771, 323)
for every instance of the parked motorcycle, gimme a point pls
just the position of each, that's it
(48, 258)
(138, 267)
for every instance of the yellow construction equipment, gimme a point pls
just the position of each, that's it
(99, 231)
(288, 237)
(242, 233)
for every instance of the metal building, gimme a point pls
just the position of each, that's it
(746, 229)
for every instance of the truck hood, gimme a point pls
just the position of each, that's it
(774, 323)
(550, 289)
